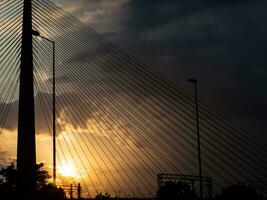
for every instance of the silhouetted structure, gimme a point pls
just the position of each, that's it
(26, 158)
(194, 81)
(73, 191)
(174, 191)
(192, 181)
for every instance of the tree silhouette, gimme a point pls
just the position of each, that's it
(42, 176)
(101, 196)
(44, 190)
(175, 191)
(239, 191)
(50, 192)
(8, 182)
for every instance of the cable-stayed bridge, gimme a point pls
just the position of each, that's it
(119, 124)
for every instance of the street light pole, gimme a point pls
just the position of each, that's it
(194, 81)
(54, 115)
(36, 33)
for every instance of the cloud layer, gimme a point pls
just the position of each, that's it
(221, 43)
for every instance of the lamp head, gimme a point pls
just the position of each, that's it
(192, 80)
(35, 33)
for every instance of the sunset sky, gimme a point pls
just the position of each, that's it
(221, 43)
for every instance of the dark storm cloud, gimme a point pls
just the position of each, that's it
(221, 43)
(151, 13)
(43, 115)
(12, 117)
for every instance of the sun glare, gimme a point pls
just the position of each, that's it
(68, 171)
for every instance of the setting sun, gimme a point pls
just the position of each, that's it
(68, 171)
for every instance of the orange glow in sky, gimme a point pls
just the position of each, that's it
(68, 171)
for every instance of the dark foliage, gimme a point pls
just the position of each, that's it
(41, 176)
(101, 196)
(175, 191)
(51, 192)
(8, 182)
(44, 190)
(239, 191)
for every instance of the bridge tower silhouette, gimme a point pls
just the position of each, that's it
(26, 156)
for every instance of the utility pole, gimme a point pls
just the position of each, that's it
(54, 117)
(79, 190)
(26, 156)
(71, 192)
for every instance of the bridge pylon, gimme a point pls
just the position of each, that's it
(26, 155)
